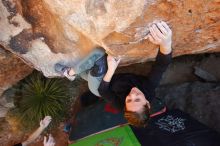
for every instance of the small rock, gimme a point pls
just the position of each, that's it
(3, 111)
(6, 99)
(203, 74)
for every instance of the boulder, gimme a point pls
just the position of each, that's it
(199, 99)
(44, 32)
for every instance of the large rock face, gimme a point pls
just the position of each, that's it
(44, 32)
(197, 99)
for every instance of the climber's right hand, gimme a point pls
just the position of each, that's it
(161, 34)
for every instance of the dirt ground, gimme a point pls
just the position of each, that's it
(180, 87)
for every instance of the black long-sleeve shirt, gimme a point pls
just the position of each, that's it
(120, 85)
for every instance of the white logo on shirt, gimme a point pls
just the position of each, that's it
(171, 124)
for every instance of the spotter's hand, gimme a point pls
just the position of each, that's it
(45, 122)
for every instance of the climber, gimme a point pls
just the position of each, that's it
(134, 93)
(43, 125)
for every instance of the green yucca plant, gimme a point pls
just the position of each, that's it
(41, 97)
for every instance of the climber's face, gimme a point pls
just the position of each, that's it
(135, 101)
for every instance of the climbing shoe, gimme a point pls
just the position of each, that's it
(100, 67)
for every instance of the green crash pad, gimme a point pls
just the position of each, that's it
(94, 119)
(119, 136)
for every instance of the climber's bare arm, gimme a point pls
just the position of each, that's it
(112, 65)
(161, 34)
(43, 124)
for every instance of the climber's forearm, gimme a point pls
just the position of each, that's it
(33, 136)
(108, 75)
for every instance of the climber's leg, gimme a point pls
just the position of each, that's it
(96, 75)
(93, 83)
(84, 75)
(84, 65)
(89, 61)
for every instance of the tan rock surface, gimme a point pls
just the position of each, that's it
(44, 32)
(11, 71)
